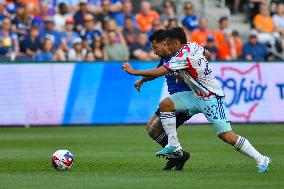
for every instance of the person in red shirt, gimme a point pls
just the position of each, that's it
(146, 17)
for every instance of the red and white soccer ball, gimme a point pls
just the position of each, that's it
(62, 160)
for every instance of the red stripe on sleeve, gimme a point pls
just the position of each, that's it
(191, 70)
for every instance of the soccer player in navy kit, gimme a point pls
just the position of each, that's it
(154, 127)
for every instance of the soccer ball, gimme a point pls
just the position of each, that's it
(62, 160)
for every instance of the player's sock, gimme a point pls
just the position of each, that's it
(168, 120)
(162, 139)
(244, 146)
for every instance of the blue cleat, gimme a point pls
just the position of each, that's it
(263, 167)
(168, 150)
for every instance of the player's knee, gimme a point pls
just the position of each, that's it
(152, 132)
(153, 129)
(166, 105)
(228, 137)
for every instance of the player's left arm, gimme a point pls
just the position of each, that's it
(155, 72)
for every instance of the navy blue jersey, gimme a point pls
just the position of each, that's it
(173, 85)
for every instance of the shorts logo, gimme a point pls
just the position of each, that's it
(243, 89)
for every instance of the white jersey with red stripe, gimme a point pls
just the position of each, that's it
(192, 65)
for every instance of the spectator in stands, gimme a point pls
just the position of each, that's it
(3, 12)
(115, 51)
(201, 34)
(113, 8)
(211, 47)
(111, 26)
(146, 16)
(190, 20)
(46, 54)
(130, 33)
(11, 6)
(95, 6)
(252, 9)
(169, 12)
(90, 57)
(32, 6)
(90, 30)
(21, 22)
(142, 49)
(218, 34)
(51, 6)
(60, 54)
(263, 24)
(172, 23)
(85, 44)
(71, 4)
(9, 46)
(49, 30)
(127, 9)
(227, 49)
(253, 50)
(60, 17)
(156, 25)
(31, 44)
(278, 20)
(41, 15)
(238, 43)
(80, 14)
(77, 53)
(98, 46)
(69, 34)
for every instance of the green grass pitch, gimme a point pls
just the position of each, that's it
(123, 157)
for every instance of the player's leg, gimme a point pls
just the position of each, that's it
(177, 102)
(244, 146)
(155, 129)
(216, 113)
(168, 120)
(157, 133)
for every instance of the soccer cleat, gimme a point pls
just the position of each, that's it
(168, 150)
(170, 164)
(263, 166)
(182, 160)
(177, 160)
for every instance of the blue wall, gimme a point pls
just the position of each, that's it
(103, 94)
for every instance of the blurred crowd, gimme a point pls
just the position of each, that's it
(109, 30)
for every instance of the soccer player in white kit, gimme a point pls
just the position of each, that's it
(206, 97)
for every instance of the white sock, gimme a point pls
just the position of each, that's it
(168, 120)
(244, 146)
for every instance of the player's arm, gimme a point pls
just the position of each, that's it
(155, 72)
(141, 81)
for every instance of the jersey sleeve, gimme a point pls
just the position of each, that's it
(179, 61)
(183, 58)
(197, 49)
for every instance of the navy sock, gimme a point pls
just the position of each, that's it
(162, 139)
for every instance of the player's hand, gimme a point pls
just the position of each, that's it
(128, 68)
(138, 84)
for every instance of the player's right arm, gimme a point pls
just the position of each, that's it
(155, 72)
